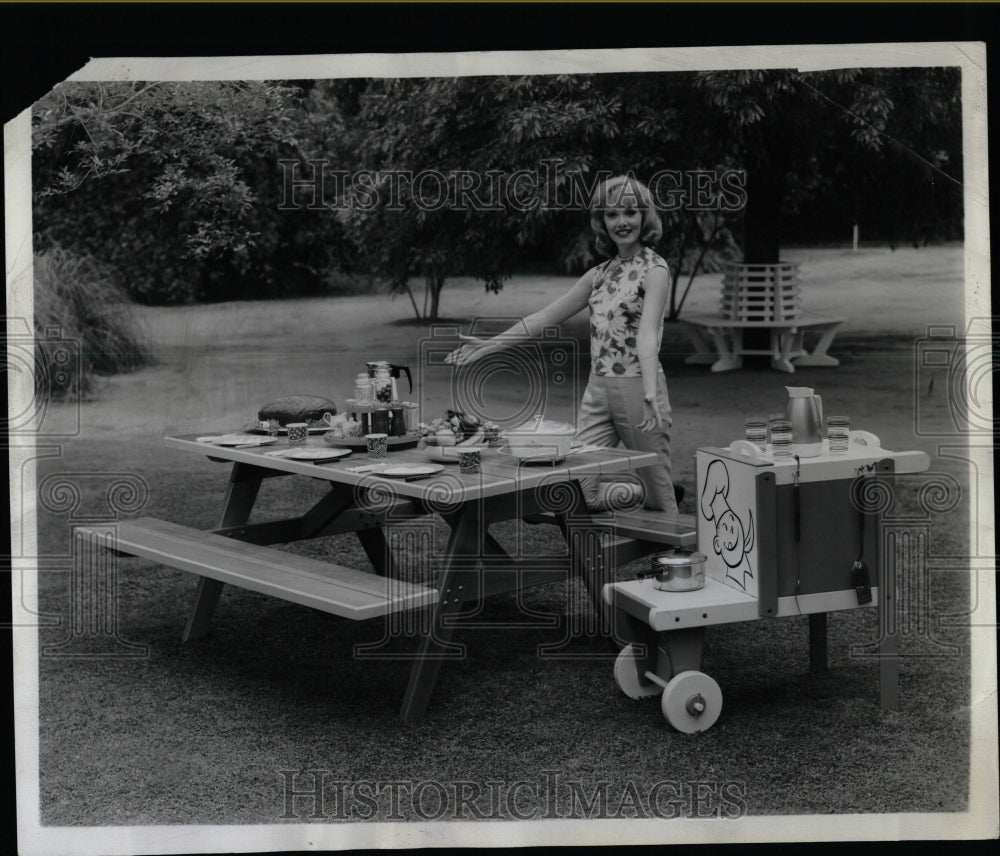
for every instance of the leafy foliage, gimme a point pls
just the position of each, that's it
(827, 149)
(182, 186)
(555, 132)
(80, 301)
(178, 185)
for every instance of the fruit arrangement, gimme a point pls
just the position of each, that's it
(457, 428)
(343, 425)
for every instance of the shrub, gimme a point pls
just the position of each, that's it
(83, 300)
(180, 186)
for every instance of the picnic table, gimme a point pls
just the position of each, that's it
(371, 506)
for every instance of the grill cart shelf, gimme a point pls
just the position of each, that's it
(781, 538)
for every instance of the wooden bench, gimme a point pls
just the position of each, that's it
(339, 590)
(724, 350)
(636, 532)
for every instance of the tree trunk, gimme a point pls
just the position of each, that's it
(762, 216)
(762, 229)
(435, 283)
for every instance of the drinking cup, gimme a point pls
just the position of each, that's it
(469, 463)
(755, 430)
(781, 438)
(838, 431)
(377, 445)
(297, 433)
(771, 419)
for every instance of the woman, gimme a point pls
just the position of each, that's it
(626, 397)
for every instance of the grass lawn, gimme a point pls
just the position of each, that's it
(208, 732)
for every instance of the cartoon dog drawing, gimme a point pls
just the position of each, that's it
(733, 541)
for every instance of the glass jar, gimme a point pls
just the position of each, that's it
(383, 386)
(362, 389)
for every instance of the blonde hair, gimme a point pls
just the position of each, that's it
(616, 192)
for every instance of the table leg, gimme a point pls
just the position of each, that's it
(376, 547)
(888, 640)
(703, 355)
(819, 357)
(457, 585)
(592, 559)
(244, 484)
(817, 642)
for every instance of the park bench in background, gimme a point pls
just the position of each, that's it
(719, 341)
(760, 297)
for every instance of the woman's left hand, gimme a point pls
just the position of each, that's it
(651, 417)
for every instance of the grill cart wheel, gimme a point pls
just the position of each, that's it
(630, 680)
(692, 701)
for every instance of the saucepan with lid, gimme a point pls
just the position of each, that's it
(676, 571)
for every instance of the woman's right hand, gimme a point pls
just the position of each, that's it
(471, 349)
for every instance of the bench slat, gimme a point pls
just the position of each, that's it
(331, 588)
(644, 525)
(677, 530)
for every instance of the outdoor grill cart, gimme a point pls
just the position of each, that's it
(792, 536)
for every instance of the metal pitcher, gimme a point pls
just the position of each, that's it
(805, 412)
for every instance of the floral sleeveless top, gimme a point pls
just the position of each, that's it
(616, 301)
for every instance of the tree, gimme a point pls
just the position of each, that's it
(806, 137)
(480, 137)
(178, 185)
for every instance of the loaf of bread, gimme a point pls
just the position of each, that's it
(297, 408)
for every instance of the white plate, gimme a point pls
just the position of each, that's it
(410, 471)
(540, 458)
(238, 440)
(317, 456)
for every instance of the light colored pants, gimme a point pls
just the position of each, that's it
(609, 412)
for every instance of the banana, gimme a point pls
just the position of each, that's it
(475, 439)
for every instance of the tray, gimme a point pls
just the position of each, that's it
(320, 429)
(352, 405)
